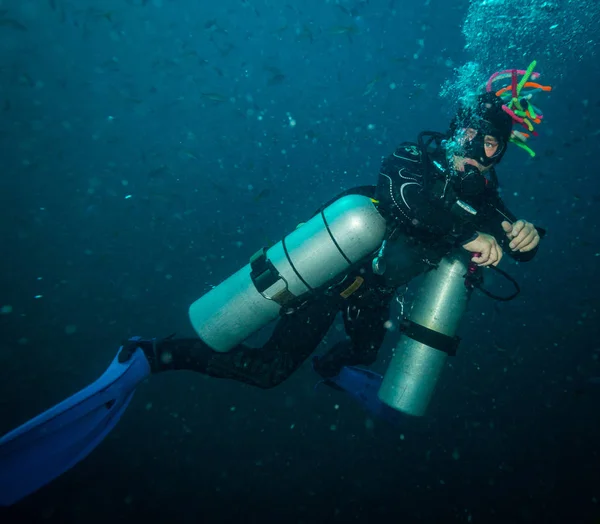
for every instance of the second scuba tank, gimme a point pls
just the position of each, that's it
(428, 337)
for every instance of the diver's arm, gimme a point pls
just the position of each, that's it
(496, 213)
(406, 199)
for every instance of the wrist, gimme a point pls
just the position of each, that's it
(464, 241)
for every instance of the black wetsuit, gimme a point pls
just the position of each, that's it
(423, 226)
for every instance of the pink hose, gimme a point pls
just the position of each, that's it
(507, 73)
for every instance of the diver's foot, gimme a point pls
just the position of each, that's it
(153, 350)
(326, 369)
(341, 354)
(148, 346)
(170, 353)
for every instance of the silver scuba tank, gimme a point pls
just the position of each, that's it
(313, 255)
(428, 337)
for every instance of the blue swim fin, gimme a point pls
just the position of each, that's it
(363, 385)
(43, 448)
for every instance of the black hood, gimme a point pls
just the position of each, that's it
(488, 118)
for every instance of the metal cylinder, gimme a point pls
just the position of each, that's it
(415, 368)
(311, 256)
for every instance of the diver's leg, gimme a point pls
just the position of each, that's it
(295, 337)
(365, 323)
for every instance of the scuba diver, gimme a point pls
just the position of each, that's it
(435, 197)
(427, 212)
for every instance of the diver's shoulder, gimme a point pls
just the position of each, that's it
(409, 152)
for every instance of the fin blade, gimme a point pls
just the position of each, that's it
(363, 385)
(46, 446)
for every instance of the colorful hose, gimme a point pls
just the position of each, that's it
(517, 100)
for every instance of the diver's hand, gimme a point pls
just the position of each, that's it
(522, 234)
(488, 252)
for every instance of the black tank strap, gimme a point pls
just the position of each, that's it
(264, 275)
(429, 337)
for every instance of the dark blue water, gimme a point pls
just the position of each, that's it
(150, 147)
